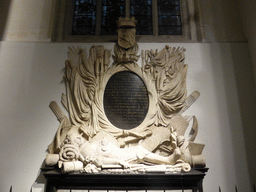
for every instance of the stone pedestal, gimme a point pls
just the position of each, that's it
(154, 181)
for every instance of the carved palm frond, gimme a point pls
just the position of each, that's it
(169, 73)
(82, 75)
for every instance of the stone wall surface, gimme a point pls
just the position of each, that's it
(31, 77)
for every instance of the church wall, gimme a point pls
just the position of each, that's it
(248, 15)
(28, 20)
(31, 77)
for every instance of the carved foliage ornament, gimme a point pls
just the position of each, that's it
(87, 141)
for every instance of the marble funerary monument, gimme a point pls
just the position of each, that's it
(125, 117)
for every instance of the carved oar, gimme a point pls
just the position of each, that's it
(57, 111)
(190, 100)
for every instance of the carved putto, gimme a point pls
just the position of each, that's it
(87, 141)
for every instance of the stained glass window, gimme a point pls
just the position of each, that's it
(142, 11)
(84, 17)
(87, 19)
(111, 11)
(169, 17)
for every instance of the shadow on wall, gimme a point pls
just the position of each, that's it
(40, 181)
(238, 79)
(53, 6)
(245, 88)
(247, 96)
(4, 7)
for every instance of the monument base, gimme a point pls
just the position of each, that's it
(192, 180)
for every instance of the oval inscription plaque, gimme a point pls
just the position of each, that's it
(125, 100)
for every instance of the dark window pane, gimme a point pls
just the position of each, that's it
(169, 18)
(84, 17)
(142, 11)
(111, 11)
(170, 31)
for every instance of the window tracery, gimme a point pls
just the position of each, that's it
(159, 20)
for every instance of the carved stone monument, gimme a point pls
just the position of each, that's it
(125, 117)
